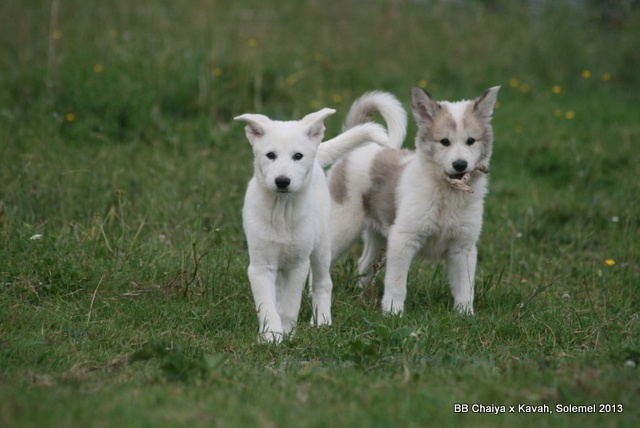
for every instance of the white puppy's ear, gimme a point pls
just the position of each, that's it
(315, 122)
(484, 104)
(423, 106)
(256, 125)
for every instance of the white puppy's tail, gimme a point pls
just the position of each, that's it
(388, 106)
(331, 150)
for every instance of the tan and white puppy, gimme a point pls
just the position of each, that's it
(286, 214)
(428, 201)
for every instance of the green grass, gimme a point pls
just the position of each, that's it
(133, 309)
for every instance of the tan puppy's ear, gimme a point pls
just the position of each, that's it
(484, 104)
(315, 122)
(423, 106)
(256, 125)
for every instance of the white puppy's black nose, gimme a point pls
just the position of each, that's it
(282, 182)
(460, 165)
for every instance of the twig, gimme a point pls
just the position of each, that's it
(196, 263)
(533, 295)
(93, 298)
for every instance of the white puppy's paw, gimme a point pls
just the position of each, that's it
(320, 322)
(392, 306)
(323, 318)
(271, 337)
(464, 308)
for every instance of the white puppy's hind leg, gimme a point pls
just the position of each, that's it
(263, 286)
(373, 246)
(461, 269)
(347, 222)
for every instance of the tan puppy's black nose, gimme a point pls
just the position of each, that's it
(459, 165)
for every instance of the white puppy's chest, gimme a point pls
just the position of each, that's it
(283, 226)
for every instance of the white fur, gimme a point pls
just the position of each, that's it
(332, 150)
(286, 215)
(432, 218)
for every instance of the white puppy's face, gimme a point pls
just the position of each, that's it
(457, 137)
(284, 152)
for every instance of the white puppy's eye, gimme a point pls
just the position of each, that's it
(445, 142)
(298, 156)
(470, 141)
(271, 156)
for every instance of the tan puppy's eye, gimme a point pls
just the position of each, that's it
(445, 142)
(470, 141)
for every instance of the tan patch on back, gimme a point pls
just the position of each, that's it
(379, 202)
(338, 182)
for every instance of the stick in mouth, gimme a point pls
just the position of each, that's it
(461, 183)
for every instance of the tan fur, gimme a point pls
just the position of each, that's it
(476, 126)
(443, 123)
(379, 202)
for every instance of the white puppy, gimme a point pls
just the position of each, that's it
(429, 201)
(286, 215)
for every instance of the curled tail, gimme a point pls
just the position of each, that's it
(358, 128)
(331, 150)
(388, 106)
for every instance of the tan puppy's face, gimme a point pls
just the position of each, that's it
(457, 137)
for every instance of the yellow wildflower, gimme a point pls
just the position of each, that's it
(570, 115)
(336, 98)
(97, 68)
(586, 74)
(252, 43)
(556, 89)
(423, 83)
(606, 76)
(514, 83)
(70, 117)
(57, 35)
(610, 262)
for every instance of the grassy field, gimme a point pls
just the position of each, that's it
(124, 299)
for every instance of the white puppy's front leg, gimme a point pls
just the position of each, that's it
(322, 286)
(263, 286)
(402, 248)
(289, 289)
(461, 269)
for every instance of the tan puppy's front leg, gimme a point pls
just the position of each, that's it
(461, 269)
(402, 248)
